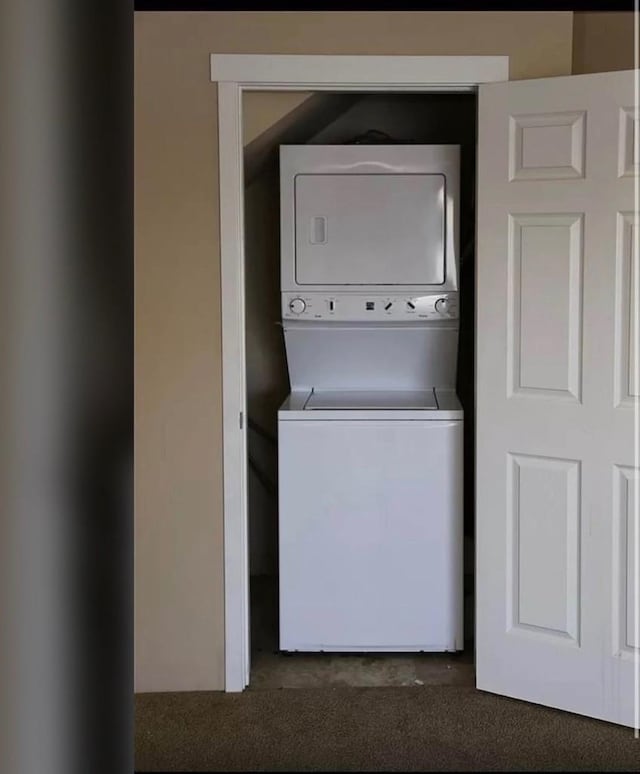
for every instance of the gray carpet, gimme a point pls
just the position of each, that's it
(435, 728)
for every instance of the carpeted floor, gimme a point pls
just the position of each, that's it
(435, 728)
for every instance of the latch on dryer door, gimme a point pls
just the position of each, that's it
(318, 230)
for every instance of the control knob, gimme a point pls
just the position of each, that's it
(297, 305)
(442, 305)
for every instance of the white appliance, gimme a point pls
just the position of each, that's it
(370, 438)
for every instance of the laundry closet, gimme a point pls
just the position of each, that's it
(546, 360)
(359, 240)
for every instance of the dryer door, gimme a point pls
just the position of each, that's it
(368, 229)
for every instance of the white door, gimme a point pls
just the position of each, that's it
(557, 385)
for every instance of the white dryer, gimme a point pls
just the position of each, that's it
(370, 438)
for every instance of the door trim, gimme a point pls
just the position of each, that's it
(234, 74)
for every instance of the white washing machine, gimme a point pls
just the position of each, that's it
(370, 438)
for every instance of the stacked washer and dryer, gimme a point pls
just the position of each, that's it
(370, 439)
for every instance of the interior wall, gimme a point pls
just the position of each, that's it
(261, 110)
(267, 379)
(602, 41)
(179, 593)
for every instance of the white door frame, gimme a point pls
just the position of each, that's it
(235, 73)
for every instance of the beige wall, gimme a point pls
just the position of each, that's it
(178, 462)
(179, 599)
(262, 109)
(602, 41)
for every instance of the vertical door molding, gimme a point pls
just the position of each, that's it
(235, 73)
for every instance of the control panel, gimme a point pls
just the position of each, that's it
(361, 307)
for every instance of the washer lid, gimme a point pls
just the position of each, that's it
(396, 399)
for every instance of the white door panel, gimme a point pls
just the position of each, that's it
(556, 390)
